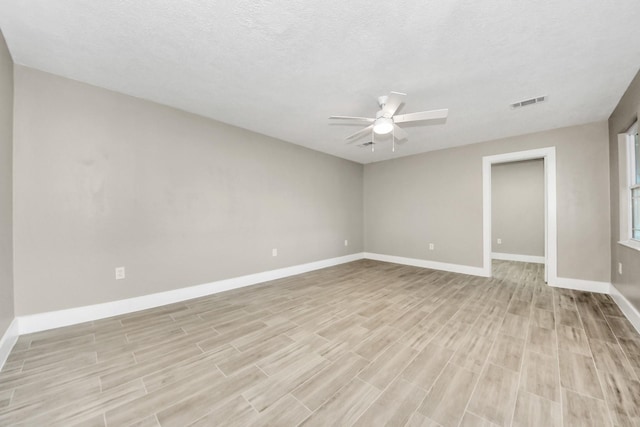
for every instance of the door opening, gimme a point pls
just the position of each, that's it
(517, 214)
(550, 228)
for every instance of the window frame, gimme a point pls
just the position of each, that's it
(628, 174)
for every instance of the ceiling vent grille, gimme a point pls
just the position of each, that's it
(530, 101)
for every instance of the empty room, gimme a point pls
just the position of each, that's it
(260, 213)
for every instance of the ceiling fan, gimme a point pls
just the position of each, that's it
(386, 122)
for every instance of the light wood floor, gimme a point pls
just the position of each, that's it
(365, 343)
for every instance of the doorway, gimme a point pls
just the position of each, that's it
(550, 230)
(517, 214)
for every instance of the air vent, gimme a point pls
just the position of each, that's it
(528, 102)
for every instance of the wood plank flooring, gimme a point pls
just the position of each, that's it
(365, 343)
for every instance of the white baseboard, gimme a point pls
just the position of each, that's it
(627, 308)
(454, 268)
(56, 319)
(516, 257)
(582, 285)
(8, 340)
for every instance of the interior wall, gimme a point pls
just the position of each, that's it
(517, 207)
(628, 283)
(6, 187)
(436, 197)
(104, 180)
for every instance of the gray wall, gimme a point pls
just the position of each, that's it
(437, 197)
(105, 180)
(517, 207)
(623, 116)
(6, 185)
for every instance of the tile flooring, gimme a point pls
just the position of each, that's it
(365, 343)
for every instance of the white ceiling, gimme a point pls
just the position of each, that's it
(282, 67)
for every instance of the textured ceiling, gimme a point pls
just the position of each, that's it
(281, 68)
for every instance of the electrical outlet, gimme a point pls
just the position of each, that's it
(119, 273)
(346, 243)
(620, 268)
(499, 241)
(431, 246)
(274, 252)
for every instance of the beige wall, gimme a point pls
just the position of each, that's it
(6, 183)
(517, 207)
(105, 180)
(621, 119)
(437, 197)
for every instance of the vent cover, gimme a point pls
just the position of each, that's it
(528, 102)
(366, 144)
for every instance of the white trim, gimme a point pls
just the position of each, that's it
(518, 257)
(582, 285)
(435, 265)
(632, 244)
(43, 321)
(72, 316)
(551, 239)
(8, 340)
(632, 313)
(624, 179)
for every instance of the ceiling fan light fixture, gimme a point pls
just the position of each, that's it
(383, 126)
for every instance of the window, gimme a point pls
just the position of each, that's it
(635, 184)
(629, 165)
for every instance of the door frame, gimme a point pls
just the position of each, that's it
(548, 155)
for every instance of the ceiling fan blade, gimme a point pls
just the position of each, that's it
(361, 119)
(360, 133)
(393, 102)
(423, 115)
(399, 133)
